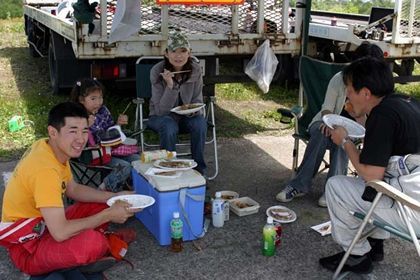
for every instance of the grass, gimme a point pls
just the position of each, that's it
(241, 109)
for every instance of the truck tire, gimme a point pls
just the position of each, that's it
(53, 67)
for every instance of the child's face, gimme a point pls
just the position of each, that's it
(93, 101)
(178, 58)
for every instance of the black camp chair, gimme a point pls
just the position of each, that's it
(86, 173)
(144, 93)
(314, 75)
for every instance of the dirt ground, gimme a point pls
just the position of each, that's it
(257, 167)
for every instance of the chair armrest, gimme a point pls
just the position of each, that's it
(393, 193)
(288, 114)
(91, 148)
(138, 100)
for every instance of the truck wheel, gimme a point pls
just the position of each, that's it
(52, 63)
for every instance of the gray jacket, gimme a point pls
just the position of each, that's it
(164, 99)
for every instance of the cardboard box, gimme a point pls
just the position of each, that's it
(170, 194)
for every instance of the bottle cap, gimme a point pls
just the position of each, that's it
(175, 215)
(218, 195)
(270, 220)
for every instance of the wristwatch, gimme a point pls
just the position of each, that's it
(345, 140)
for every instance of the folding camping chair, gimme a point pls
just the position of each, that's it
(315, 76)
(144, 92)
(87, 174)
(403, 201)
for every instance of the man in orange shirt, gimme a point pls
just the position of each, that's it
(56, 238)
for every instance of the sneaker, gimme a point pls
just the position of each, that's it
(377, 251)
(98, 266)
(356, 264)
(322, 201)
(288, 193)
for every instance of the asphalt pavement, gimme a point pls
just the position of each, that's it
(257, 167)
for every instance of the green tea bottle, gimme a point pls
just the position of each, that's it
(269, 238)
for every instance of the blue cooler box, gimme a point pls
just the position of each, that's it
(184, 194)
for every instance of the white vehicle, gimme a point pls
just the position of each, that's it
(396, 31)
(132, 29)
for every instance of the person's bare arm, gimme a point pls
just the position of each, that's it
(366, 171)
(62, 229)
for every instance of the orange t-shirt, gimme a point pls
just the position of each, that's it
(39, 180)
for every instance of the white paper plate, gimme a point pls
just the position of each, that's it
(354, 129)
(186, 164)
(179, 110)
(137, 201)
(285, 215)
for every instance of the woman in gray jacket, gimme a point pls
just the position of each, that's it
(170, 90)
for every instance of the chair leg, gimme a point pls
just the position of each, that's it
(216, 160)
(295, 155)
(357, 236)
(410, 227)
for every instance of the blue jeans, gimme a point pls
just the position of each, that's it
(120, 173)
(169, 126)
(314, 153)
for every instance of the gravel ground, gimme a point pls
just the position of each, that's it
(255, 166)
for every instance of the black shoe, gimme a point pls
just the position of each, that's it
(377, 251)
(98, 266)
(356, 264)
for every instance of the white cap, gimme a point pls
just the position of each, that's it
(175, 215)
(270, 220)
(218, 195)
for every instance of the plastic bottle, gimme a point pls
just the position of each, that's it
(176, 233)
(269, 238)
(217, 212)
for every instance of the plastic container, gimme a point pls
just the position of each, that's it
(176, 233)
(217, 211)
(244, 206)
(15, 123)
(269, 238)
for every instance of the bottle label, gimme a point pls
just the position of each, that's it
(176, 229)
(269, 241)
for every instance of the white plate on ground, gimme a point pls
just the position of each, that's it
(137, 201)
(354, 129)
(175, 164)
(281, 214)
(185, 110)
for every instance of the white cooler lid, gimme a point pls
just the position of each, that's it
(188, 179)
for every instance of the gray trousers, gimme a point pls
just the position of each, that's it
(343, 194)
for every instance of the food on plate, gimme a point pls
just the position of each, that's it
(348, 107)
(189, 106)
(227, 197)
(281, 214)
(241, 205)
(325, 228)
(175, 164)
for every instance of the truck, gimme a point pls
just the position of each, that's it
(395, 30)
(124, 31)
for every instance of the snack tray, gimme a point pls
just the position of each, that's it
(255, 206)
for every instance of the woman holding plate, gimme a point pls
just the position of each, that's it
(177, 82)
